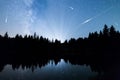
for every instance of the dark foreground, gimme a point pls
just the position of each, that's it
(101, 51)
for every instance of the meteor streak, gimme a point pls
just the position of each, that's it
(71, 8)
(6, 20)
(90, 19)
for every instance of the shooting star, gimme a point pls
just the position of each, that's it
(71, 8)
(90, 19)
(6, 20)
(86, 21)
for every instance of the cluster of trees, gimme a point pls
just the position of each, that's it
(100, 50)
(103, 43)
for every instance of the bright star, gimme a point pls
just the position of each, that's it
(71, 8)
(6, 20)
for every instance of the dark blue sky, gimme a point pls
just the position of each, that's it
(61, 19)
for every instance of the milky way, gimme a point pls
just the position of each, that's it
(57, 19)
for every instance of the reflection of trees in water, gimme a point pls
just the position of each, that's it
(51, 71)
(1, 67)
(105, 73)
(29, 65)
(100, 50)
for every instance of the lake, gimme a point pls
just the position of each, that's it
(51, 71)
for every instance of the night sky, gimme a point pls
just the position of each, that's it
(58, 19)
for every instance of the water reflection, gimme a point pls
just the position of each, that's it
(51, 71)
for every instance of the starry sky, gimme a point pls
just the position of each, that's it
(58, 19)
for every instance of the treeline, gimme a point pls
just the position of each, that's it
(103, 43)
(100, 50)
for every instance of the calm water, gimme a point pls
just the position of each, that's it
(61, 71)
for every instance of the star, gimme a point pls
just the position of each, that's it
(6, 20)
(71, 8)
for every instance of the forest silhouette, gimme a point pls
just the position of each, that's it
(100, 50)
